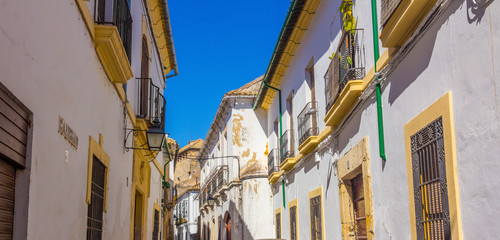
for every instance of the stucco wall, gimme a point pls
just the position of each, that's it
(457, 54)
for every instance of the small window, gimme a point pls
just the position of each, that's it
(316, 233)
(293, 223)
(429, 183)
(278, 225)
(96, 206)
(156, 226)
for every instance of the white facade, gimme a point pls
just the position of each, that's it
(187, 210)
(456, 53)
(49, 63)
(235, 194)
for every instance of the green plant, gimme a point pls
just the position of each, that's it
(346, 9)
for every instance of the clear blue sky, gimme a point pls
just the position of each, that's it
(220, 46)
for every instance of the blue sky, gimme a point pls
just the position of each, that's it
(220, 46)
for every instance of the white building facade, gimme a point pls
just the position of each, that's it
(235, 197)
(82, 83)
(333, 175)
(186, 215)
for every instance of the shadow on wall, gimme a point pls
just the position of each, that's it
(420, 56)
(476, 9)
(239, 230)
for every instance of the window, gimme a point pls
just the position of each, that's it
(96, 206)
(432, 176)
(156, 225)
(294, 228)
(97, 183)
(278, 223)
(316, 227)
(432, 214)
(355, 192)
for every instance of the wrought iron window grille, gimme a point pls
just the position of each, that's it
(286, 145)
(121, 18)
(272, 162)
(308, 121)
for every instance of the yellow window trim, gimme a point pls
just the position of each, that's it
(86, 16)
(441, 108)
(354, 162)
(404, 21)
(294, 203)
(278, 210)
(97, 150)
(314, 193)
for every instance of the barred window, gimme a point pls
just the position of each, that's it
(316, 226)
(156, 226)
(96, 206)
(429, 183)
(278, 225)
(293, 223)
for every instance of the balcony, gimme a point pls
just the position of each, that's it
(113, 31)
(287, 153)
(222, 177)
(343, 80)
(400, 19)
(151, 103)
(308, 128)
(272, 166)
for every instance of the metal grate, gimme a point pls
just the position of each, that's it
(316, 227)
(307, 122)
(286, 146)
(156, 226)
(278, 225)
(293, 223)
(272, 162)
(429, 183)
(96, 206)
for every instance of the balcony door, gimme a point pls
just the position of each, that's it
(144, 82)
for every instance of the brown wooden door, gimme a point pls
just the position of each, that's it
(7, 189)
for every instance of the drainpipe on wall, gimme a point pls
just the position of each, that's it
(376, 53)
(281, 133)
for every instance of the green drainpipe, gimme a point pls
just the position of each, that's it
(281, 131)
(376, 53)
(164, 182)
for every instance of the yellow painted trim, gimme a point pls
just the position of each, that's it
(354, 162)
(441, 108)
(288, 164)
(308, 145)
(156, 11)
(298, 32)
(404, 21)
(97, 150)
(130, 113)
(314, 193)
(274, 177)
(381, 63)
(276, 211)
(109, 48)
(86, 16)
(294, 203)
(344, 103)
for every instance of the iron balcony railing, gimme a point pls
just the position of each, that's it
(151, 103)
(222, 177)
(347, 64)
(272, 162)
(286, 145)
(308, 121)
(121, 18)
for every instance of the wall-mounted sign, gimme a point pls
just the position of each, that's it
(68, 133)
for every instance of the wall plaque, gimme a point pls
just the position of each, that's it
(68, 133)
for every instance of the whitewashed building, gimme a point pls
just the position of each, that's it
(410, 159)
(235, 197)
(82, 82)
(186, 214)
